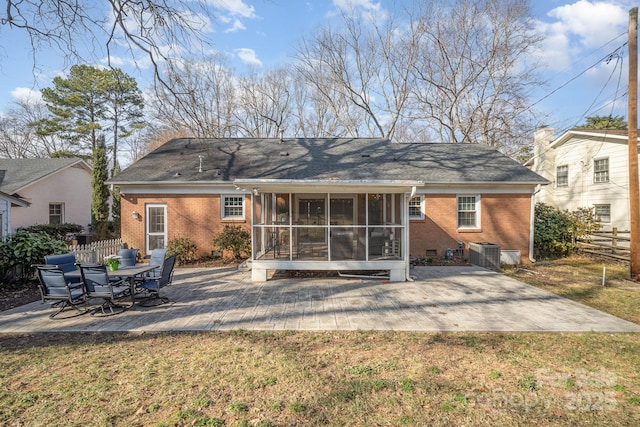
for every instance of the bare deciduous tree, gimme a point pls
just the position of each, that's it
(264, 105)
(81, 27)
(472, 79)
(201, 99)
(363, 70)
(18, 138)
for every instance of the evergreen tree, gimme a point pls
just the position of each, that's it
(100, 192)
(90, 102)
(604, 122)
(115, 205)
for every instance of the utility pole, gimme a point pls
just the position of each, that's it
(634, 203)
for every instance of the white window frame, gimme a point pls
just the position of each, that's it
(565, 176)
(61, 212)
(223, 206)
(476, 211)
(601, 176)
(420, 206)
(599, 216)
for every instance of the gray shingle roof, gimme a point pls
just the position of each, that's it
(15, 174)
(324, 159)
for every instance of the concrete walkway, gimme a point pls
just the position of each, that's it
(440, 299)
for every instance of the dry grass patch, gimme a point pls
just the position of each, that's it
(580, 278)
(347, 378)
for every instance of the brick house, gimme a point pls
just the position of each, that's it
(329, 204)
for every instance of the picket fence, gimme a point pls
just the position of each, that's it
(96, 251)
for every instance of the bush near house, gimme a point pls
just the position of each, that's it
(234, 239)
(22, 250)
(556, 231)
(56, 231)
(184, 249)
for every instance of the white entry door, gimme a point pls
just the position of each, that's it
(156, 227)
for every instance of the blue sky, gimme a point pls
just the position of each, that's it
(264, 34)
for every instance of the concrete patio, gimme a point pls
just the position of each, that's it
(439, 299)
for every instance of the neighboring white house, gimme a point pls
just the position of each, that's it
(587, 168)
(6, 202)
(45, 191)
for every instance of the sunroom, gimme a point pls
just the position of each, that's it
(343, 226)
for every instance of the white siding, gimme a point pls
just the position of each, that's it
(579, 153)
(70, 186)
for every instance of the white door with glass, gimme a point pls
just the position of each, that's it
(156, 227)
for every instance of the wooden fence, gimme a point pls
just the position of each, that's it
(96, 251)
(612, 244)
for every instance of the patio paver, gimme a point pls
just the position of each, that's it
(439, 299)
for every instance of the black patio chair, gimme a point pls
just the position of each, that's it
(152, 286)
(98, 285)
(58, 291)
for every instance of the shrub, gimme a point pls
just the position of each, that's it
(56, 231)
(556, 231)
(234, 239)
(183, 248)
(23, 249)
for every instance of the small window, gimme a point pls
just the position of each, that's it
(468, 211)
(232, 207)
(415, 207)
(601, 170)
(603, 213)
(562, 176)
(56, 213)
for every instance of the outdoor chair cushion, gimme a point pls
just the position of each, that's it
(127, 257)
(67, 262)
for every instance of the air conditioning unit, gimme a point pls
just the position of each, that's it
(484, 254)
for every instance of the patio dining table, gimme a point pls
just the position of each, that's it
(130, 273)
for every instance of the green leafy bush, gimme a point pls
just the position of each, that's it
(184, 249)
(556, 231)
(23, 249)
(234, 239)
(56, 231)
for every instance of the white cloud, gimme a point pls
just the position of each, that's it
(370, 10)
(248, 56)
(26, 94)
(235, 7)
(594, 23)
(237, 26)
(574, 30)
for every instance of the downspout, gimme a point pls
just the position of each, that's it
(532, 222)
(406, 239)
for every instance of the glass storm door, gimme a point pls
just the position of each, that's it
(156, 227)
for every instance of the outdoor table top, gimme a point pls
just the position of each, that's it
(129, 272)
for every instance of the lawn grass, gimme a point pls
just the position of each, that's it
(363, 378)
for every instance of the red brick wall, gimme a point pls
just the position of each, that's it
(505, 220)
(193, 216)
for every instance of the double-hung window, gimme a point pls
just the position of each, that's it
(56, 213)
(562, 176)
(601, 170)
(468, 211)
(603, 213)
(416, 210)
(233, 207)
